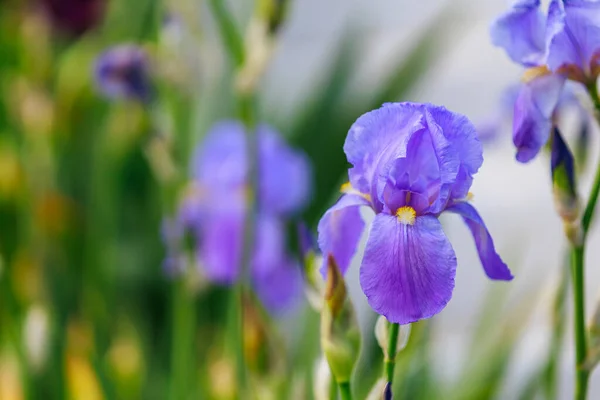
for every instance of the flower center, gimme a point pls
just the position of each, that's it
(406, 215)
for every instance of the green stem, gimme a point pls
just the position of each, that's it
(390, 357)
(332, 389)
(588, 214)
(229, 33)
(345, 391)
(577, 271)
(234, 45)
(182, 355)
(581, 374)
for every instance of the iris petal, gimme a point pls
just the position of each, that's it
(408, 271)
(520, 32)
(340, 230)
(493, 265)
(574, 37)
(376, 138)
(220, 168)
(533, 112)
(221, 247)
(275, 276)
(284, 175)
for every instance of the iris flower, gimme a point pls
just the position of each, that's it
(215, 210)
(410, 163)
(123, 71)
(563, 45)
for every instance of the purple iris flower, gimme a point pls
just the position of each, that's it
(490, 128)
(124, 72)
(410, 162)
(563, 45)
(215, 210)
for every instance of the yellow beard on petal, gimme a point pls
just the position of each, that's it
(406, 215)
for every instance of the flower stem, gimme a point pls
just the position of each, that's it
(390, 357)
(234, 46)
(332, 389)
(577, 271)
(345, 391)
(581, 374)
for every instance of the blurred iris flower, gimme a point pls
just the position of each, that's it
(123, 71)
(563, 45)
(214, 211)
(410, 162)
(490, 129)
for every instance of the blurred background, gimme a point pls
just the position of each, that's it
(87, 310)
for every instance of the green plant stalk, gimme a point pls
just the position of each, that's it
(588, 213)
(345, 391)
(184, 321)
(229, 34)
(580, 334)
(578, 278)
(332, 389)
(234, 45)
(390, 357)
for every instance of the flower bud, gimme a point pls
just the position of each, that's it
(563, 179)
(340, 335)
(380, 391)
(274, 12)
(382, 334)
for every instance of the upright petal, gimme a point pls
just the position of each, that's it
(376, 138)
(462, 136)
(275, 276)
(220, 161)
(285, 176)
(493, 265)
(407, 272)
(280, 287)
(533, 112)
(574, 38)
(340, 230)
(520, 32)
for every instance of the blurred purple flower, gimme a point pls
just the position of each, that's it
(215, 210)
(490, 129)
(410, 162)
(74, 17)
(563, 45)
(123, 71)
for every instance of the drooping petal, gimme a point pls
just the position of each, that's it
(493, 265)
(407, 272)
(275, 276)
(574, 37)
(340, 230)
(220, 247)
(520, 32)
(285, 176)
(533, 112)
(279, 288)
